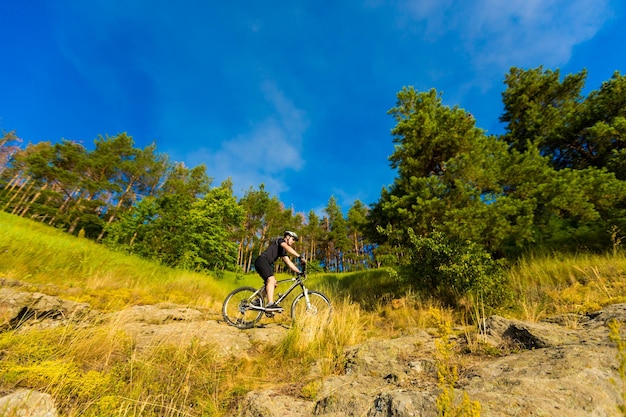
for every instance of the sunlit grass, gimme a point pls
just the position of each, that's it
(84, 271)
(557, 284)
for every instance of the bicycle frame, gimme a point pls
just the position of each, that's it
(297, 281)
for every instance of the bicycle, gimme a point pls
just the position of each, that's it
(244, 307)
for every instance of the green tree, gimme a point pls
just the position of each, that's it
(572, 130)
(454, 271)
(129, 232)
(506, 196)
(356, 224)
(213, 222)
(30, 170)
(166, 239)
(58, 184)
(126, 173)
(427, 133)
(538, 107)
(443, 162)
(337, 243)
(255, 204)
(163, 228)
(314, 236)
(600, 137)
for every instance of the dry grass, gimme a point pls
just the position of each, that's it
(556, 284)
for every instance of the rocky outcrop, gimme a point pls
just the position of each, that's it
(563, 366)
(158, 324)
(148, 325)
(18, 308)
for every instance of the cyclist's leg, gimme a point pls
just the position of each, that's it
(270, 284)
(266, 271)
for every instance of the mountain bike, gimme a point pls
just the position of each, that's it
(245, 306)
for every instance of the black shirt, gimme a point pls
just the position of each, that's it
(275, 250)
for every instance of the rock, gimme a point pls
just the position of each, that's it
(348, 395)
(27, 403)
(158, 314)
(375, 367)
(565, 372)
(164, 324)
(20, 309)
(603, 317)
(272, 404)
(380, 358)
(403, 403)
(499, 331)
(561, 381)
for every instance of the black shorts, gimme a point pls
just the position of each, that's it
(264, 267)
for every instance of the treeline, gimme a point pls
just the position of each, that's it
(462, 201)
(139, 201)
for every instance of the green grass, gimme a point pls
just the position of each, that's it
(82, 270)
(96, 370)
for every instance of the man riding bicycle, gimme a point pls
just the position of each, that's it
(264, 264)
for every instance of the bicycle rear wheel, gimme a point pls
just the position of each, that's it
(237, 310)
(317, 312)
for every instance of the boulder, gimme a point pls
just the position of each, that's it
(19, 309)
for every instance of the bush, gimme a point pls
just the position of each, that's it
(453, 271)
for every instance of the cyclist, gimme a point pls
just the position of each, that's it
(264, 264)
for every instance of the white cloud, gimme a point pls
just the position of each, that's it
(499, 34)
(266, 154)
(530, 32)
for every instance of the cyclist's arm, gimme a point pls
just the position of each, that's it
(289, 249)
(291, 265)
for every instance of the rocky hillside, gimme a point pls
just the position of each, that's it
(565, 366)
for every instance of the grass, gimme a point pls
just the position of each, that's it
(448, 373)
(559, 284)
(95, 370)
(81, 270)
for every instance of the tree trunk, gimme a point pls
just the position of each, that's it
(109, 221)
(16, 193)
(76, 219)
(24, 195)
(32, 201)
(249, 266)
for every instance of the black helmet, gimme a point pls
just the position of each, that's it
(292, 234)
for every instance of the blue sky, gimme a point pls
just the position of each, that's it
(291, 94)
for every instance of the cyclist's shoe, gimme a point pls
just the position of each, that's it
(274, 308)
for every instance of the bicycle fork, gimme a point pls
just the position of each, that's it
(305, 291)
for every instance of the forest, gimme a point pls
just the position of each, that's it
(463, 204)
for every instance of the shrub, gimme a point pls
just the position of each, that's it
(453, 271)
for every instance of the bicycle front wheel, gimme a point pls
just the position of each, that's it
(316, 311)
(237, 309)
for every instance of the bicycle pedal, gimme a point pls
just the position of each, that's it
(268, 314)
